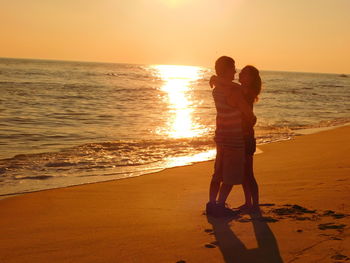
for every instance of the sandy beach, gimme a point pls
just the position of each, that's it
(304, 188)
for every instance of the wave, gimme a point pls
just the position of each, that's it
(39, 177)
(330, 86)
(103, 155)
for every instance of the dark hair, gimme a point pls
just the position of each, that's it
(254, 85)
(222, 64)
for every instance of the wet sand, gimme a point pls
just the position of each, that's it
(304, 188)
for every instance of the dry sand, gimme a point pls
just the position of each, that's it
(159, 217)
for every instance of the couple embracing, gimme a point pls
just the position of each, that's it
(234, 137)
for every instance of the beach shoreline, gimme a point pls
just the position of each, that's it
(300, 132)
(160, 217)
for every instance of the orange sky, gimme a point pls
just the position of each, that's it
(295, 35)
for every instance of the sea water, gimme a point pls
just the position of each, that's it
(67, 123)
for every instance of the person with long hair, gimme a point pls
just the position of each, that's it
(250, 80)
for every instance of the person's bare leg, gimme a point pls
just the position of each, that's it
(255, 191)
(213, 191)
(225, 190)
(246, 186)
(253, 186)
(247, 194)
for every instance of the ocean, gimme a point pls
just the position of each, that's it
(67, 123)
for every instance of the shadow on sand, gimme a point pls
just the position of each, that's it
(234, 251)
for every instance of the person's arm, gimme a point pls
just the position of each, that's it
(236, 99)
(212, 81)
(218, 81)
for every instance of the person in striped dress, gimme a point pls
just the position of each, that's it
(231, 108)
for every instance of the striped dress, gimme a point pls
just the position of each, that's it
(229, 132)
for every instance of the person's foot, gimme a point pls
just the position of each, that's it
(255, 208)
(210, 208)
(244, 207)
(222, 210)
(249, 208)
(255, 212)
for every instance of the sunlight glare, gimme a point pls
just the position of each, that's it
(177, 84)
(185, 160)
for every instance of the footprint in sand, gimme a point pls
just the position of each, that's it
(303, 218)
(336, 238)
(330, 226)
(339, 256)
(268, 219)
(292, 210)
(215, 243)
(268, 204)
(209, 245)
(334, 214)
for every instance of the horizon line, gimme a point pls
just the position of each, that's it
(109, 62)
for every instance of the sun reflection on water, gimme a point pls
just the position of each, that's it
(177, 84)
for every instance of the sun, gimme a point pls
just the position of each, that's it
(173, 3)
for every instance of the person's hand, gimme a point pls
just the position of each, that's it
(212, 81)
(254, 120)
(251, 121)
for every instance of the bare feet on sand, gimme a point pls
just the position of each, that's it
(248, 208)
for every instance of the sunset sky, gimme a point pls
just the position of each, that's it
(291, 35)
